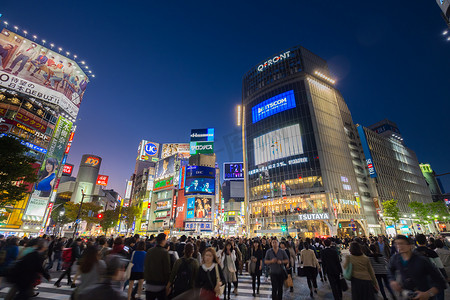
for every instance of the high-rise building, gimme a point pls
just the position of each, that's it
(394, 170)
(303, 165)
(40, 95)
(444, 5)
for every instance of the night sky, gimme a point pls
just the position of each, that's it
(165, 67)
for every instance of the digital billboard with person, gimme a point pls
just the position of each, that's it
(47, 177)
(199, 186)
(202, 207)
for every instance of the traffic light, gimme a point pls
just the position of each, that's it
(100, 216)
(340, 225)
(283, 228)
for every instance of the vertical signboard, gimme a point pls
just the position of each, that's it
(367, 153)
(49, 171)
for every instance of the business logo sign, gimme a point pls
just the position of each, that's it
(161, 184)
(274, 60)
(200, 171)
(202, 226)
(233, 171)
(128, 189)
(92, 161)
(308, 217)
(102, 180)
(367, 153)
(201, 148)
(67, 169)
(151, 149)
(202, 135)
(272, 106)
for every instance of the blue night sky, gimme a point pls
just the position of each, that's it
(164, 67)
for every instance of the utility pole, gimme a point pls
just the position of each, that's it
(78, 215)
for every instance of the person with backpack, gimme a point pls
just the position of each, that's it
(137, 271)
(157, 270)
(184, 273)
(318, 250)
(71, 256)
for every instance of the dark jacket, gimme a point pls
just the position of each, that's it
(418, 273)
(259, 257)
(157, 266)
(330, 262)
(30, 269)
(76, 252)
(192, 264)
(208, 279)
(180, 249)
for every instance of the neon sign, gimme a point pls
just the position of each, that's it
(273, 60)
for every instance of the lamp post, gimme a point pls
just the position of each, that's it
(79, 213)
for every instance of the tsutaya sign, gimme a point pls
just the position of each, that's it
(307, 217)
(273, 60)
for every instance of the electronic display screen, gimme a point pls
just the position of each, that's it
(272, 106)
(199, 186)
(233, 171)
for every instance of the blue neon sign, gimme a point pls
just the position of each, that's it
(274, 105)
(367, 154)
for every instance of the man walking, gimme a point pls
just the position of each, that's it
(332, 268)
(276, 259)
(157, 270)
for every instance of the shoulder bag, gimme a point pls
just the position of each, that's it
(222, 287)
(129, 267)
(348, 270)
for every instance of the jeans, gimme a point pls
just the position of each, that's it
(277, 286)
(37, 65)
(335, 284)
(161, 295)
(20, 58)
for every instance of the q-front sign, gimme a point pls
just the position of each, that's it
(309, 217)
(273, 60)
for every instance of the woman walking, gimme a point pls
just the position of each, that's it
(137, 271)
(184, 273)
(207, 279)
(364, 282)
(228, 259)
(380, 267)
(310, 266)
(255, 265)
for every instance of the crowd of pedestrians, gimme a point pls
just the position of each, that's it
(209, 268)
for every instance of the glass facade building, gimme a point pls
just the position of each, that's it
(301, 173)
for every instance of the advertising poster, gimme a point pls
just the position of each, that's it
(67, 169)
(166, 167)
(171, 149)
(233, 171)
(40, 72)
(190, 208)
(102, 180)
(199, 186)
(180, 213)
(273, 106)
(200, 171)
(280, 143)
(55, 153)
(202, 207)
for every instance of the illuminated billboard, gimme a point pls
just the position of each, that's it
(199, 208)
(172, 149)
(202, 135)
(41, 73)
(199, 186)
(233, 170)
(102, 180)
(280, 143)
(367, 153)
(147, 150)
(161, 184)
(166, 167)
(200, 171)
(272, 106)
(201, 148)
(67, 169)
(128, 189)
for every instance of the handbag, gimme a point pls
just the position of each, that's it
(289, 282)
(348, 271)
(222, 287)
(129, 267)
(252, 265)
(343, 283)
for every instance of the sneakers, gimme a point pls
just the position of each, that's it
(57, 284)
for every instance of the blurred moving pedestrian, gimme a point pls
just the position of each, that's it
(90, 270)
(157, 270)
(364, 282)
(76, 254)
(332, 268)
(137, 271)
(379, 264)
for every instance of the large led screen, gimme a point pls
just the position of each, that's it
(233, 171)
(199, 186)
(166, 167)
(40, 72)
(280, 143)
(274, 105)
